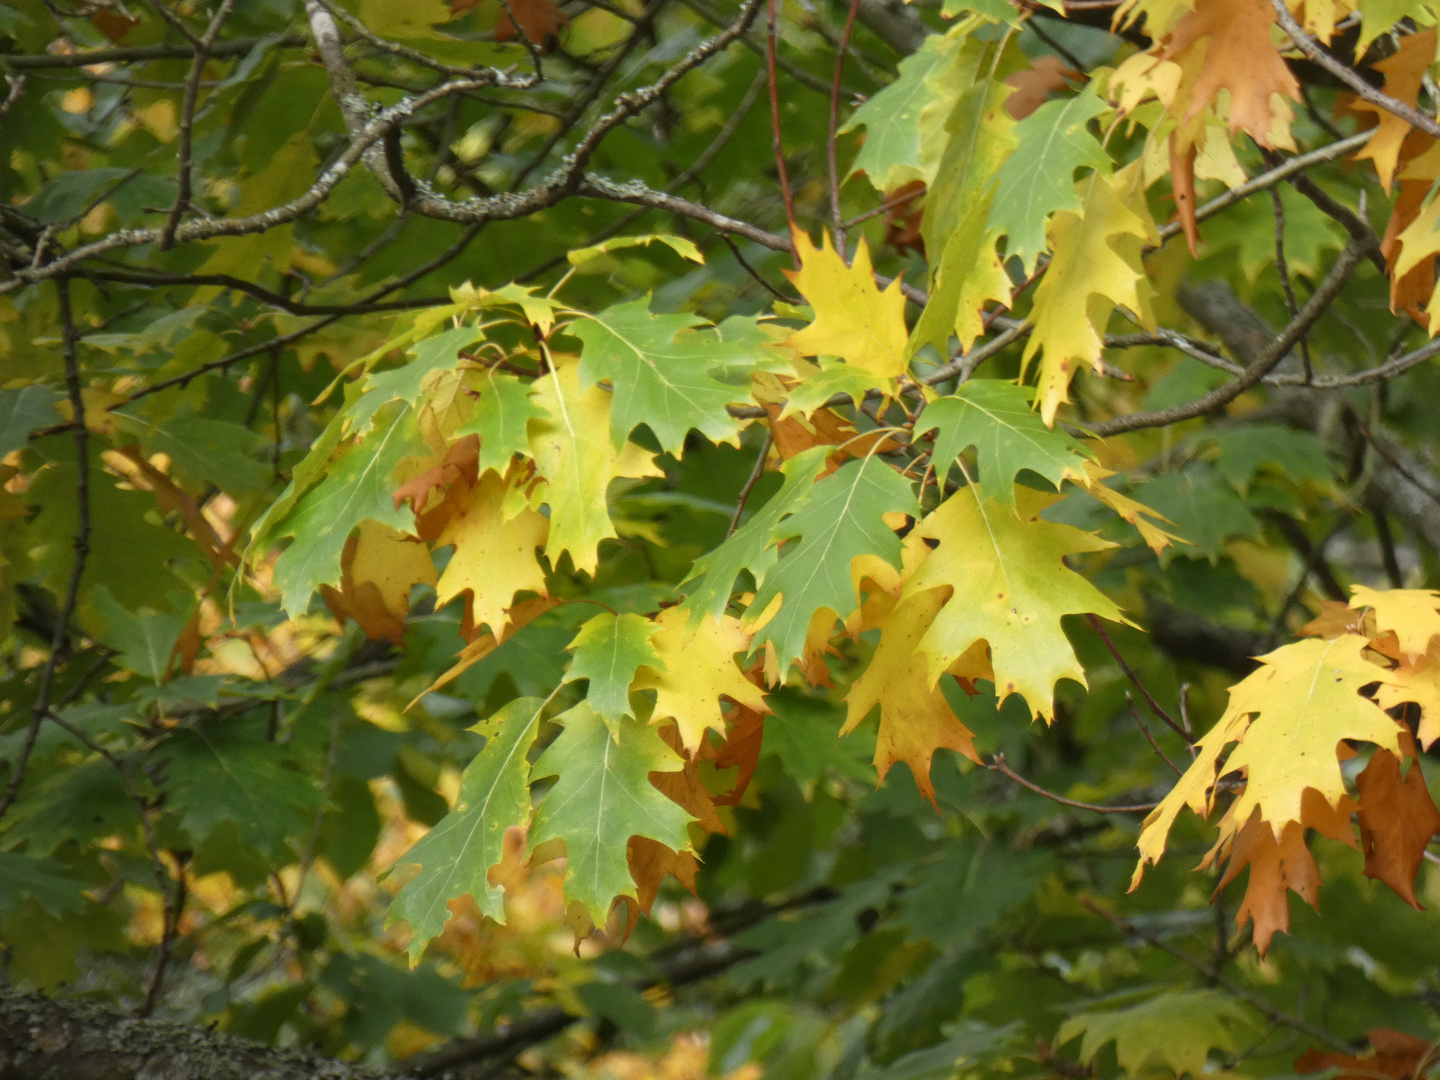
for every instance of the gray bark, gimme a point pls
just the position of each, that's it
(44, 1039)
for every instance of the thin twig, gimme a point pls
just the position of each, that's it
(745, 265)
(1130, 701)
(1261, 366)
(1349, 76)
(174, 909)
(1155, 707)
(185, 179)
(777, 139)
(70, 349)
(997, 763)
(750, 482)
(832, 167)
(1282, 267)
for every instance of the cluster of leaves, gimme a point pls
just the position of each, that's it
(431, 602)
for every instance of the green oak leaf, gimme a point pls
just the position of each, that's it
(995, 417)
(1039, 177)
(608, 651)
(143, 640)
(751, 547)
(501, 413)
(1247, 448)
(22, 411)
(433, 356)
(661, 369)
(957, 224)
(601, 798)
(1203, 507)
(222, 774)
(203, 451)
(457, 854)
(24, 876)
(357, 486)
(838, 519)
(903, 121)
(1176, 1029)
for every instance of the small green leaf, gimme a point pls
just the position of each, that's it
(1203, 507)
(1247, 448)
(22, 411)
(1039, 177)
(221, 774)
(602, 797)
(608, 650)
(143, 640)
(751, 548)
(501, 413)
(1177, 1029)
(839, 519)
(358, 486)
(684, 248)
(203, 451)
(661, 369)
(457, 854)
(39, 879)
(995, 417)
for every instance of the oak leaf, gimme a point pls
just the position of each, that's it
(1412, 615)
(1227, 45)
(838, 519)
(494, 554)
(994, 416)
(502, 412)
(1095, 266)
(1397, 819)
(602, 797)
(1288, 718)
(915, 719)
(377, 570)
(572, 450)
(696, 668)
(1009, 587)
(854, 319)
(456, 856)
(1403, 70)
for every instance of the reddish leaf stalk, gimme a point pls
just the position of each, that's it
(770, 39)
(830, 162)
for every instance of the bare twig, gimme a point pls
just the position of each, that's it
(1130, 701)
(1155, 707)
(1349, 76)
(1261, 366)
(70, 348)
(997, 763)
(832, 167)
(1282, 267)
(184, 178)
(771, 33)
(750, 482)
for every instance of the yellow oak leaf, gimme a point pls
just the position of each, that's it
(494, 554)
(1008, 586)
(1136, 513)
(854, 319)
(1096, 265)
(1410, 614)
(573, 452)
(1288, 719)
(1418, 243)
(915, 719)
(1416, 682)
(700, 667)
(378, 568)
(1403, 71)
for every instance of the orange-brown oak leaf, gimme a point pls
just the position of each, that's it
(740, 751)
(1396, 1055)
(1397, 820)
(1238, 55)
